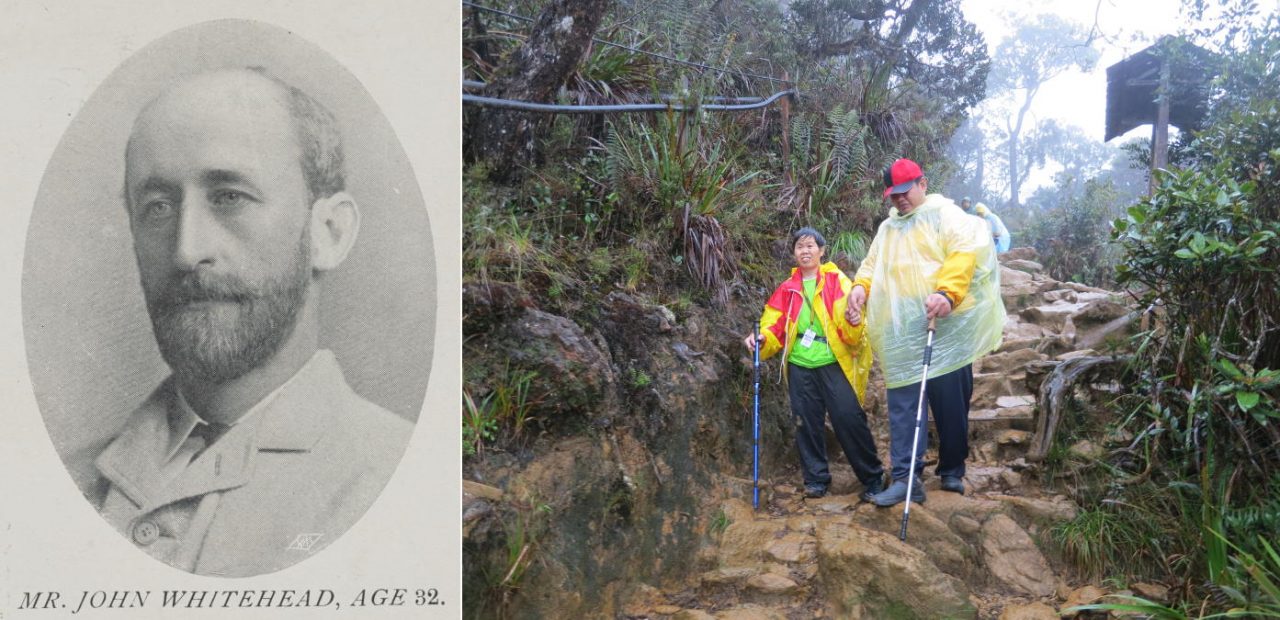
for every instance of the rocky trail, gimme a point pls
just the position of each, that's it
(686, 544)
(966, 555)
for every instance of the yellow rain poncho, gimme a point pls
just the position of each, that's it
(935, 248)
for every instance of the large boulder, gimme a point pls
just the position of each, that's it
(927, 532)
(872, 575)
(1028, 266)
(574, 379)
(1013, 277)
(1013, 559)
(1011, 362)
(745, 542)
(1099, 311)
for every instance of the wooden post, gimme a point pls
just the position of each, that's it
(1160, 130)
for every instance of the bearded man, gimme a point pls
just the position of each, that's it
(254, 453)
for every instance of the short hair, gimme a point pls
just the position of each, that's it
(808, 231)
(318, 137)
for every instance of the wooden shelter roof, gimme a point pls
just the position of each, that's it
(1132, 84)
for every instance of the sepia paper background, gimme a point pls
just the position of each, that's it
(52, 59)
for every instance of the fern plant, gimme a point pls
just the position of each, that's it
(673, 169)
(828, 164)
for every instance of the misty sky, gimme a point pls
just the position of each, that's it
(1125, 27)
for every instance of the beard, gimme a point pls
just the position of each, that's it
(214, 328)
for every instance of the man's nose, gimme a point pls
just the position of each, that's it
(197, 236)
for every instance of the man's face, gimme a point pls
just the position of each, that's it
(910, 199)
(218, 207)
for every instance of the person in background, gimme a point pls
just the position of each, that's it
(999, 233)
(827, 364)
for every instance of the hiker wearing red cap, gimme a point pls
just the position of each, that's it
(929, 260)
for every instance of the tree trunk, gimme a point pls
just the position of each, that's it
(561, 36)
(896, 45)
(982, 165)
(1013, 169)
(1015, 134)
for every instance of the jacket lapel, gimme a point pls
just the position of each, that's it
(132, 462)
(293, 419)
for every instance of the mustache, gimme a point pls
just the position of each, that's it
(201, 286)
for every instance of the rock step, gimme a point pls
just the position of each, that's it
(765, 584)
(742, 612)
(738, 612)
(1021, 417)
(998, 447)
(1007, 362)
(989, 388)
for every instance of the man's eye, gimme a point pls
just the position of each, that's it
(230, 198)
(158, 209)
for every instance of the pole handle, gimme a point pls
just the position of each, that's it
(755, 338)
(928, 344)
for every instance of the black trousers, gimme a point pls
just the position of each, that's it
(947, 397)
(814, 393)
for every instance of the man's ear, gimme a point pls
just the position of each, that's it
(335, 222)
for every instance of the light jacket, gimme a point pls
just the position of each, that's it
(934, 248)
(848, 343)
(300, 469)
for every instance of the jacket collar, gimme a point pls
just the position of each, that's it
(796, 280)
(293, 418)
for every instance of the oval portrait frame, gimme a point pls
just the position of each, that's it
(91, 354)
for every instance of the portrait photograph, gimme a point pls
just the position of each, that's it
(230, 307)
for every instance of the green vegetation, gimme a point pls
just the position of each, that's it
(640, 379)
(720, 522)
(1070, 237)
(507, 405)
(1195, 494)
(479, 425)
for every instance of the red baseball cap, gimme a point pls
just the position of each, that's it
(901, 176)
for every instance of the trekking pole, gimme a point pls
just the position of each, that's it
(755, 424)
(915, 441)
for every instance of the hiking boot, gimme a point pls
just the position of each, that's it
(897, 493)
(953, 483)
(815, 490)
(871, 488)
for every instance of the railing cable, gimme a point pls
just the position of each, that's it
(619, 107)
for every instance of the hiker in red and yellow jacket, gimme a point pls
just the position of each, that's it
(827, 364)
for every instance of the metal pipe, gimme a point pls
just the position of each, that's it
(617, 107)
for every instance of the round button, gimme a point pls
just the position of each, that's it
(146, 532)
